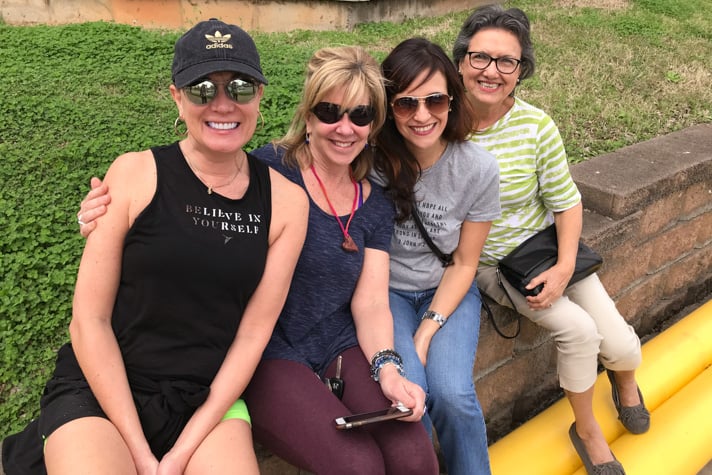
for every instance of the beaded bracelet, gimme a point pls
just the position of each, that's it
(383, 358)
(386, 352)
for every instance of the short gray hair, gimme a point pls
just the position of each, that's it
(495, 16)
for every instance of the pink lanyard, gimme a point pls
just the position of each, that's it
(348, 244)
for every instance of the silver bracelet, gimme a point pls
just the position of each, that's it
(435, 316)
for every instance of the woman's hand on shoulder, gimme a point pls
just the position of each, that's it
(93, 206)
(132, 178)
(397, 388)
(135, 172)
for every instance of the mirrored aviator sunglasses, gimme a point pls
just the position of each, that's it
(329, 113)
(238, 90)
(406, 106)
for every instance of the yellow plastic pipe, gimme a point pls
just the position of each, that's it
(670, 361)
(676, 356)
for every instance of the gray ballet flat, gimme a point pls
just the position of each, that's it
(607, 468)
(636, 419)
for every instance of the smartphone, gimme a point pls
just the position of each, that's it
(357, 420)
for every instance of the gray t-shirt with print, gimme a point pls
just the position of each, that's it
(462, 186)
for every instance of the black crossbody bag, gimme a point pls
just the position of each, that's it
(529, 259)
(532, 257)
(539, 253)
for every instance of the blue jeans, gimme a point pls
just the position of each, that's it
(452, 404)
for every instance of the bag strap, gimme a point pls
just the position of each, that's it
(487, 308)
(446, 259)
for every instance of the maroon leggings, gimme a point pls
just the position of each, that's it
(293, 416)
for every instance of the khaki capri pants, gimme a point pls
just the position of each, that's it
(585, 324)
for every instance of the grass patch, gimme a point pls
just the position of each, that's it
(610, 72)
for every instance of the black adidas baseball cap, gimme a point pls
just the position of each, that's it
(212, 46)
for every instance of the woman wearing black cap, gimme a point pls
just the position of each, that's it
(178, 290)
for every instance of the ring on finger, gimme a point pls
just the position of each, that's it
(79, 220)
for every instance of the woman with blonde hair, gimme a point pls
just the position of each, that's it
(337, 308)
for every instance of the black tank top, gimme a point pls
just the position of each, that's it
(191, 261)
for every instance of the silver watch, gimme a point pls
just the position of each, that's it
(434, 316)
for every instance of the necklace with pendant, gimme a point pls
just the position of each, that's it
(238, 169)
(348, 244)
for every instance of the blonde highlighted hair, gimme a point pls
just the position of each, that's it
(353, 70)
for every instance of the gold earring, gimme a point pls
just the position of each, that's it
(176, 124)
(262, 118)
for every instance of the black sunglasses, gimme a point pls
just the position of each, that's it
(329, 113)
(238, 90)
(406, 106)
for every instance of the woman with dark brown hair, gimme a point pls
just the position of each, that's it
(450, 185)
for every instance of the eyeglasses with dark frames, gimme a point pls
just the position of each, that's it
(406, 106)
(504, 64)
(329, 113)
(238, 90)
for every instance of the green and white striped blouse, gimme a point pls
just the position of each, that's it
(534, 176)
